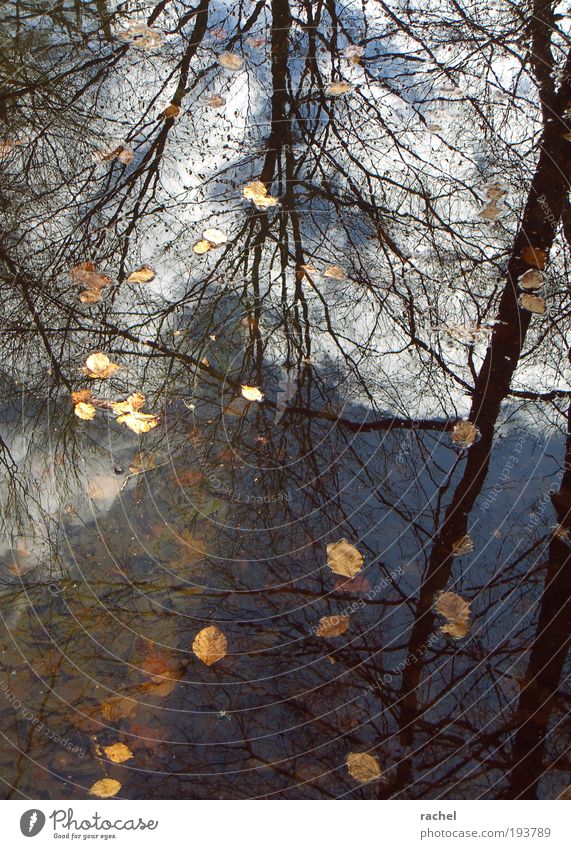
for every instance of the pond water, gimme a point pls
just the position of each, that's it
(297, 232)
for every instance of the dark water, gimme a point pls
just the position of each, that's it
(374, 307)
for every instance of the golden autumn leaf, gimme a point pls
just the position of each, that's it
(105, 788)
(332, 626)
(144, 274)
(456, 610)
(465, 433)
(99, 366)
(134, 402)
(532, 303)
(455, 629)
(532, 279)
(335, 89)
(258, 194)
(363, 767)
(231, 61)
(172, 111)
(84, 410)
(138, 422)
(90, 296)
(344, 559)
(210, 645)
(216, 101)
(252, 393)
(335, 272)
(536, 257)
(118, 753)
(86, 275)
(202, 247)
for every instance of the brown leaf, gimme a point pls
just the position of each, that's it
(338, 88)
(105, 788)
(210, 645)
(231, 61)
(363, 767)
(172, 111)
(190, 478)
(332, 626)
(133, 403)
(532, 303)
(215, 101)
(90, 296)
(81, 395)
(118, 707)
(126, 156)
(85, 275)
(532, 279)
(536, 257)
(344, 559)
(99, 366)
(465, 433)
(452, 606)
(490, 212)
(144, 274)
(118, 753)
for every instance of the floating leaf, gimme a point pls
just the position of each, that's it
(344, 559)
(464, 545)
(172, 111)
(495, 191)
(190, 478)
(231, 61)
(142, 36)
(338, 88)
(138, 422)
(144, 274)
(210, 645)
(363, 767)
(85, 275)
(202, 247)
(490, 212)
(532, 279)
(532, 303)
(216, 101)
(536, 257)
(258, 194)
(99, 366)
(465, 433)
(454, 608)
(118, 753)
(126, 156)
(143, 461)
(332, 626)
(255, 41)
(90, 296)
(335, 272)
(134, 402)
(105, 788)
(252, 393)
(81, 395)
(84, 411)
(215, 236)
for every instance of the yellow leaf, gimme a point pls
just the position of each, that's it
(84, 411)
(336, 89)
(258, 194)
(90, 296)
(210, 645)
(105, 788)
(99, 366)
(335, 272)
(363, 767)
(231, 61)
(532, 279)
(532, 303)
(453, 606)
(202, 247)
(455, 629)
(332, 626)
(465, 433)
(144, 274)
(118, 753)
(344, 559)
(252, 393)
(534, 256)
(134, 402)
(138, 422)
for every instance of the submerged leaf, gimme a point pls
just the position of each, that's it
(353, 53)
(118, 753)
(231, 61)
(344, 559)
(216, 101)
(332, 626)
(335, 272)
(210, 645)
(105, 788)
(363, 767)
(338, 88)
